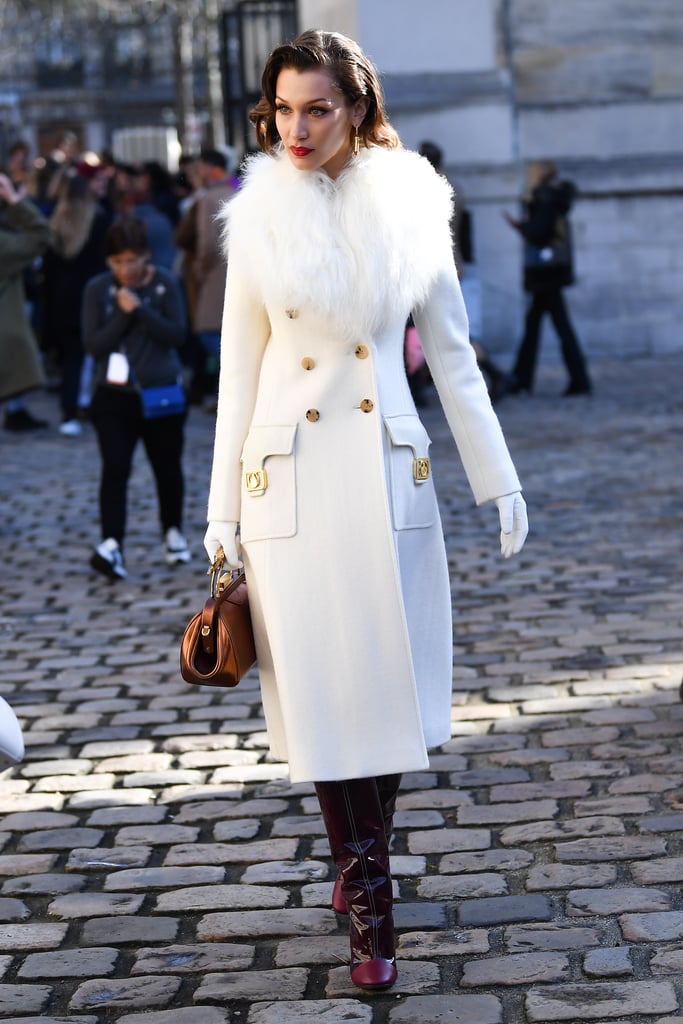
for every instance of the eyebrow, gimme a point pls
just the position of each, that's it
(320, 99)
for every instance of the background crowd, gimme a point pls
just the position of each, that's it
(111, 292)
(73, 198)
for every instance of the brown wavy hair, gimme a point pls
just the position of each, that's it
(72, 218)
(353, 74)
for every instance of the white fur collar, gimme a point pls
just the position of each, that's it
(358, 249)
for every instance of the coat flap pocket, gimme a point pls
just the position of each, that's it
(267, 440)
(408, 431)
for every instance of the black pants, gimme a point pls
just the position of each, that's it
(71, 360)
(551, 301)
(119, 423)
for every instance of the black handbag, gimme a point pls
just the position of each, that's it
(217, 648)
(555, 254)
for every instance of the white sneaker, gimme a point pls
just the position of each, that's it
(71, 428)
(108, 559)
(176, 549)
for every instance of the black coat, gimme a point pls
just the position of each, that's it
(64, 282)
(546, 217)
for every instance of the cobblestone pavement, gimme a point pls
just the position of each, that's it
(157, 867)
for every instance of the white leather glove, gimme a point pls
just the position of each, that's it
(222, 534)
(513, 523)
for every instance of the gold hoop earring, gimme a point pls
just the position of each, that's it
(356, 143)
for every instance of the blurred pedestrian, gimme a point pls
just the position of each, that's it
(76, 254)
(548, 269)
(138, 202)
(158, 183)
(321, 476)
(18, 165)
(470, 285)
(65, 152)
(133, 324)
(198, 234)
(24, 234)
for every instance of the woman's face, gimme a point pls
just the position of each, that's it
(129, 268)
(314, 120)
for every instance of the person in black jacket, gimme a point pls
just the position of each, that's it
(134, 324)
(76, 254)
(548, 268)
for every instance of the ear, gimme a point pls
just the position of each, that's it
(360, 109)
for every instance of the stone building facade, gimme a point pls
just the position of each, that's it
(597, 86)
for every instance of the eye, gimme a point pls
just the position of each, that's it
(281, 108)
(318, 111)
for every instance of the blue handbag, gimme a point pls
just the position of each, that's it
(168, 400)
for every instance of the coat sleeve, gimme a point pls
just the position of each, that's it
(244, 336)
(29, 237)
(441, 322)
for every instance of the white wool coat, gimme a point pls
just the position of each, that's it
(321, 457)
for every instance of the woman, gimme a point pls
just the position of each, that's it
(75, 255)
(133, 324)
(548, 269)
(24, 234)
(322, 461)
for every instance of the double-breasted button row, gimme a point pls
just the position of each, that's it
(313, 415)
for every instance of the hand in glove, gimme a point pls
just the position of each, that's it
(513, 523)
(223, 534)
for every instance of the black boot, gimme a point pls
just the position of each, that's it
(354, 819)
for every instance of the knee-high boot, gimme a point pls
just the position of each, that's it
(387, 787)
(354, 820)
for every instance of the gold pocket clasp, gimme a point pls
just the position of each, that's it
(256, 481)
(421, 469)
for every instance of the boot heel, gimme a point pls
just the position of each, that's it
(338, 902)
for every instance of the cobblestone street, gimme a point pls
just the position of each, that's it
(156, 867)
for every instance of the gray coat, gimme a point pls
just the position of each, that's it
(24, 234)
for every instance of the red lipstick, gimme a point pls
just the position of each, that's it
(300, 150)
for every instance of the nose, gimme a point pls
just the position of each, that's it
(300, 130)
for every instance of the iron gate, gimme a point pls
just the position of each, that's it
(250, 31)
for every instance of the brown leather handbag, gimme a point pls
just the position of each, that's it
(217, 648)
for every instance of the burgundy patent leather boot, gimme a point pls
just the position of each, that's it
(387, 787)
(354, 821)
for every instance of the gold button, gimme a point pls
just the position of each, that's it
(308, 363)
(312, 415)
(361, 352)
(292, 313)
(367, 405)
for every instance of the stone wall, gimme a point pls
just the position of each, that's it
(596, 85)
